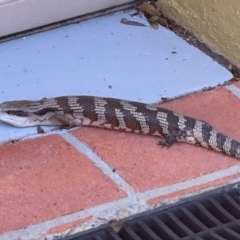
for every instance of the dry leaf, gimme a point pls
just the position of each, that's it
(164, 23)
(154, 25)
(154, 16)
(133, 23)
(149, 9)
(153, 19)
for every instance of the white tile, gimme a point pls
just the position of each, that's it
(103, 57)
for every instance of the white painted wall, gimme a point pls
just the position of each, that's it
(21, 15)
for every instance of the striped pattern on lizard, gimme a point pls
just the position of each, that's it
(117, 114)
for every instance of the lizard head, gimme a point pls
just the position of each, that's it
(17, 113)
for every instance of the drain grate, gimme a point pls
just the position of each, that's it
(211, 216)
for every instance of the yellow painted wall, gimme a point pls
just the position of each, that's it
(214, 22)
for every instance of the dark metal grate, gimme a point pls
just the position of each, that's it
(213, 216)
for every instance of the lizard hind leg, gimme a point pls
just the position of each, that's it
(171, 137)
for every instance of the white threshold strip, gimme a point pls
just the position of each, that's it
(135, 202)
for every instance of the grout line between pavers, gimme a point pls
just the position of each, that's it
(98, 162)
(118, 209)
(233, 89)
(227, 172)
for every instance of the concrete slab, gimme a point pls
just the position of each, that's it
(102, 57)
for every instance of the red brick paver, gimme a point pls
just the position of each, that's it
(45, 178)
(147, 165)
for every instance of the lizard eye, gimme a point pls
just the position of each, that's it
(18, 113)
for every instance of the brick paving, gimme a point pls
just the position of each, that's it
(85, 177)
